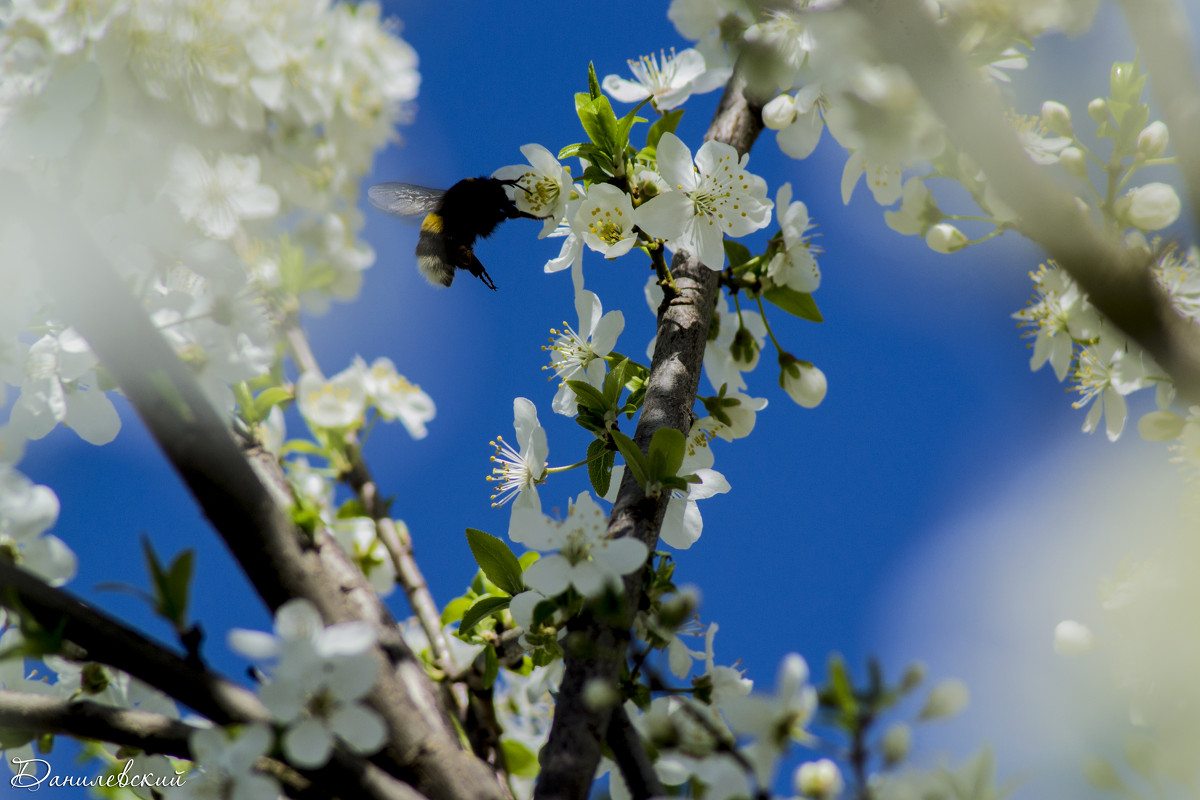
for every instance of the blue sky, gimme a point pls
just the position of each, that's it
(932, 411)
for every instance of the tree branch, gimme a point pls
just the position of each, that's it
(1116, 279)
(595, 647)
(423, 748)
(630, 755)
(110, 642)
(84, 719)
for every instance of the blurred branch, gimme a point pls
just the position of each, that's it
(1117, 280)
(630, 755)
(108, 641)
(596, 648)
(145, 730)
(279, 559)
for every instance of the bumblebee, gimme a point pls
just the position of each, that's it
(454, 219)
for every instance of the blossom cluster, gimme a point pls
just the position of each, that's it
(178, 141)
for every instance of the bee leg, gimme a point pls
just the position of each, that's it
(470, 263)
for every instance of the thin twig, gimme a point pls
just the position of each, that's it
(280, 561)
(1116, 279)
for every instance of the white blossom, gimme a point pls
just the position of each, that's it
(585, 558)
(605, 221)
(317, 678)
(27, 511)
(710, 199)
(668, 83)
(60, 387)
(218, 198)
(226, 758)
(338, 402)
(543, 188)
(796, 265)
(580, 354)
(396, 398)
(520, 470)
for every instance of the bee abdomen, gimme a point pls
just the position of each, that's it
(431, 252)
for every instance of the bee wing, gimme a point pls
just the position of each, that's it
(404, 199)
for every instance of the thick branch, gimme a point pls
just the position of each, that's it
(596, 648)
(1116, 279)
(423, 746)
(145, 730)
(108, 641)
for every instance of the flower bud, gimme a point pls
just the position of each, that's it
(599, 694)
(945, 238)
(1073, 638)
(947, 699)
(1098, 110)
(744, 350)
(820, 780)
(912, 676)
(1150, 207)
(1074, 161)
(780, 112)
(1057, 118)
(803, 382)
(896, 743)
(1152, 141)
(677, 609)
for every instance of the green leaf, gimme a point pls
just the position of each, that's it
(455, 609)
(843, 691)
(491, 667)
(589, 396)
(737, 253)
(664, 124)
(633, 457)
(666, 453)
(496, 561)
(302, 446)
(171, 585)
(593, 83)
(614, 382)
(600, 464)
(600, 123)
(798, 304)
(519, 759)
(626, 124)
(484, 607)
(270, 398)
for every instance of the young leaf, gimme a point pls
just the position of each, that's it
(666, 453)
(633, 457)
(798, 304)
(736, 252)
(484, 607)
(600, 464)
(589, 396)
(171, 585)
(664, 124)
(496, 561)
(491, 667)
(593, 83)
(269, 398)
